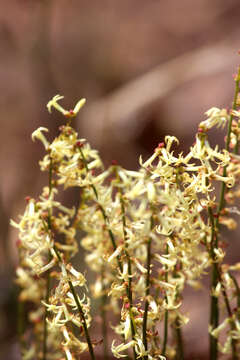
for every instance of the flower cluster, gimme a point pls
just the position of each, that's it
(147, 235)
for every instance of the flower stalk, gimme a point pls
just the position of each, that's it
(129, 285)
(147, 293)
(227, 146)
(104, 315)
(214, 312)
(165, 334)
(48, 283)
(180, 351)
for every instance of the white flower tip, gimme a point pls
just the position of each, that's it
(37, 134)
(53, 102)
(71, 113)
(79, 105)
(212, 111)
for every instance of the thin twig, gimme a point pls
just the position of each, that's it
(180, 353)
(214, 310)
(84, 323)
(103, 314)
(238, 294)
(214, 313)
(49, 226)
(147, 293)
(129, 287)
(216, 277)
(230, 314)
(178, 330)
(165, 336)
(227, 145)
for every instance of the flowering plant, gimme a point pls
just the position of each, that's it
(147, 234)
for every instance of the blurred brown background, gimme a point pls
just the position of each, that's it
(147, 68)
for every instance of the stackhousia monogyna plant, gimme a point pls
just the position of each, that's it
(147, 234)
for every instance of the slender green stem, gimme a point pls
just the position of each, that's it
(84, 323)
(238, 294)
(21, 320)
(177, 326)
(216, 276)
(238, 310)
(103, 314)
(235, 104)
(214, 316)
(223, 185)
(165, 336)
(126, 253)
(45, 326)
(129, 287)
(214, 313)
(214, 310)
(147, 293)
(230, 314)
(178, 330)
(180, 352)
(234, 107)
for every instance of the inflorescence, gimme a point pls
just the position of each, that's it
(147, 234)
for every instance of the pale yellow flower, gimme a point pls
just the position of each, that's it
(216, 117)
(116, 350)
(67, 113)
(38, 134)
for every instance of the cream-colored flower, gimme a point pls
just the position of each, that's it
(116, 350)
(215, 332)
(69, 113)
(38, 134)
(216, 117)
(54, 103)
